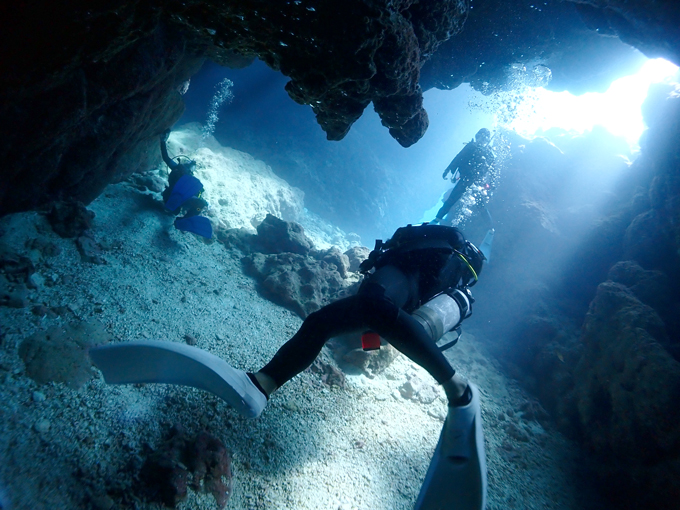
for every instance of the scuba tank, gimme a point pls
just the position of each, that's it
(444, 312)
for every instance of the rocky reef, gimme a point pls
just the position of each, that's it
(290, 271)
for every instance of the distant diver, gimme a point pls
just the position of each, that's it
(415, 290)
(183, 193)
(473, 162)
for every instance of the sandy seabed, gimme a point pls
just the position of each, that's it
(314, 447)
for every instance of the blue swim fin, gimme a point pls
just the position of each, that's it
(197, 224)
(186, 187)
(456, 479)
(485, 247)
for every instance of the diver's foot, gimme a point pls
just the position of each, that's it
(462, 429)
(250, 401)
(464, 399)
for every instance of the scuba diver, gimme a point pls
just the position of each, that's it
(472, 162)
(183, 193)
(416, 288)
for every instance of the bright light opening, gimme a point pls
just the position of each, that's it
(618, 110)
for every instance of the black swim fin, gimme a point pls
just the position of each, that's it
(186, 187)
(199, 225)
(456, 479)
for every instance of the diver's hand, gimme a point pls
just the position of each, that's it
(445, 175)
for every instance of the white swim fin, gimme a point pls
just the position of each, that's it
(485, 247)
(456, 478)
(175, 363)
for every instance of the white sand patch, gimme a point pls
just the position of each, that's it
(242, 190)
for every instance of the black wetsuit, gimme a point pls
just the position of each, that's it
(473, 162)
(418, 264)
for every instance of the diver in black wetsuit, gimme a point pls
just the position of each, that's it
(417, 264)
(472, 163)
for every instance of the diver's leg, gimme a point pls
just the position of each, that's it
(301, 350)
(354, 314)
(455, 195)
(344, 316)
(411, 339)
(445, 208)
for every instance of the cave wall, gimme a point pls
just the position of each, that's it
(582, 296)
(654, 31)
(505, 43)
(85, 88)
(84, 97)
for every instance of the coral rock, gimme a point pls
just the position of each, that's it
(70, 218)
(182, 462)
(60, 353)
(277, 236)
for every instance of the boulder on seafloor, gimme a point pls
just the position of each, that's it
(59, 354)
(70, 218)
(278, 236)
(626, 391)
(300, 283)
(335, 258)
(356, 255)
(289, 270)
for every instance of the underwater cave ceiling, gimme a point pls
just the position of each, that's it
(86, 87)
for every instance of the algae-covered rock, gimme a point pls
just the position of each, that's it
(278, 236)
(59, 354)
(302, 284)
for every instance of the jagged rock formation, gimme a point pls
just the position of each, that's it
(289, 270)
(92, 86)
(86, 89)
(545, 44)
(626, 390)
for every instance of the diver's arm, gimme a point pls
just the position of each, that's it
(451, 168)
(164, 152)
